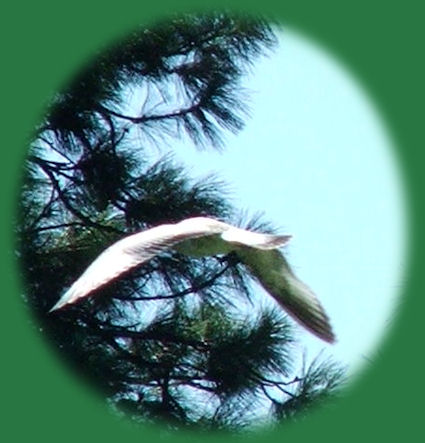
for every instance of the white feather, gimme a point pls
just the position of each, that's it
(203, 236)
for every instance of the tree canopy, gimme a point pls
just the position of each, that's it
(179, 339)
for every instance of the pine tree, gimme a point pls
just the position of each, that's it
(179, 339)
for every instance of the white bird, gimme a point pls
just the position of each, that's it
(203, 236)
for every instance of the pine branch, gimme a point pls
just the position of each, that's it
(193, 289)
(86, 220)
(146, 118)
(53, 227)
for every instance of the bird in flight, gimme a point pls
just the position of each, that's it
(204, 236)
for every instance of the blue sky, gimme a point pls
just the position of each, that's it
(315, 157)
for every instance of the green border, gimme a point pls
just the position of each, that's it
(45, 42)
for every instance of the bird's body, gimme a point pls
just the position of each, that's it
(203, 236)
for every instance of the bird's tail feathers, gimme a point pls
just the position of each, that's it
(255, 239)
(270, 241)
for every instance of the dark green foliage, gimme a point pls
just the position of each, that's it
(176, 339)
(317, 383)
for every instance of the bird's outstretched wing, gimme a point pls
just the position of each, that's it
(127, 253)
(135, 250)
(138, 248)
(273, 272)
